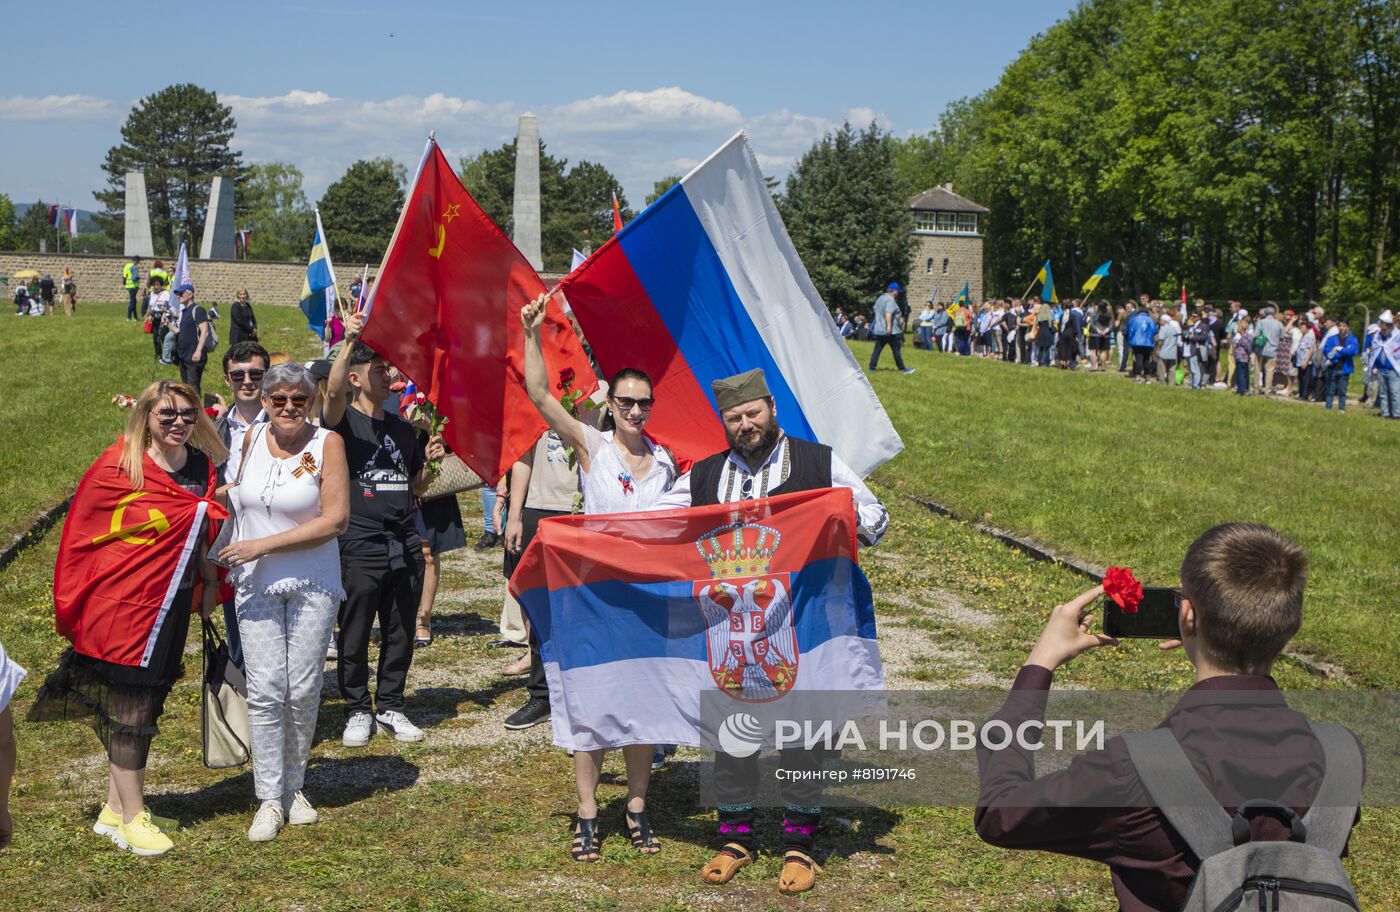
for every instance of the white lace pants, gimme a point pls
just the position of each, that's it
(284, 652)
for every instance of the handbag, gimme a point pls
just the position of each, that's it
(149, 325)
(453, 477)
(223, 717)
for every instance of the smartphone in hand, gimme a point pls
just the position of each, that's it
(1155, 618)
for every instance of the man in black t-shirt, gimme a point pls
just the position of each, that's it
(381, 560)
(191, 337)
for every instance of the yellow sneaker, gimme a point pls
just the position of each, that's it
(141, 836)
(108, 821)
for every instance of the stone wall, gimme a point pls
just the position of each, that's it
(964, 256)
(99, 278)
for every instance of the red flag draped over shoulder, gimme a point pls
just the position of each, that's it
(445, 311)
(121, 557)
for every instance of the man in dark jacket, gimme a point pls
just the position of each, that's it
(192, 337)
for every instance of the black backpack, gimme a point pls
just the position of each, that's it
(1302, 874)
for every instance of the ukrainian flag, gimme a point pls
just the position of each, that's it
(1097, 277)
(318, 288)
(962, 299)
(1047, 280)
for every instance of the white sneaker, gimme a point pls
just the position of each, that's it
(358, 729)
(397, 724)
(299, 810)
(267, 822)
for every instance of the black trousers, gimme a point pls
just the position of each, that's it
(736, 787)
(375, 591)
(895, 342)
(535, 685)
(192, 372)
(1142, 361)
(131, 304)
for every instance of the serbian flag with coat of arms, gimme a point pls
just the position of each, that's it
(641, 615)
(122, 556)
(445, 310)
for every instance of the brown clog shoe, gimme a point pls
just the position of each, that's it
(726, 863)
(799, 873)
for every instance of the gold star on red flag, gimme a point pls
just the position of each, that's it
(451, 212)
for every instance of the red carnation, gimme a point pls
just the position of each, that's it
(1120, 585)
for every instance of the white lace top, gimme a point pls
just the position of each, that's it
(608, 485)
(277, 495)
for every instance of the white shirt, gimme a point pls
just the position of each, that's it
(737, 482)
(236, 430)
(275, 496)
(10, 676)
(608, 485)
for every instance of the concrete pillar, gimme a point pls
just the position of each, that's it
(218, 222)
(138, 217)
(525, 214)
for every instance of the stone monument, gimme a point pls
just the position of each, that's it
(525, 214)
(218, 222)
(138, 217)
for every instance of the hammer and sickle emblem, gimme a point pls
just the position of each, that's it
(156, 523)
(436, 252)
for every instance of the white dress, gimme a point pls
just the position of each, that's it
(608, 485)
(277, 495)
(10, 676)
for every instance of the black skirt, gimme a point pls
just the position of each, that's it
(122, 703)
(440, 525)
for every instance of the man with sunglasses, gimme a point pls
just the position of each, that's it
(762, 461)
(244, 367)
(381, 555)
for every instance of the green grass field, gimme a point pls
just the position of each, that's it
(477, 818)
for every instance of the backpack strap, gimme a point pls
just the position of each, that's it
(1329, 819)
(1179, 793)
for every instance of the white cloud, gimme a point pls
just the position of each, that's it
(56, 107)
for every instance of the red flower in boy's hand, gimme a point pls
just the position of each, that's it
(1120, 585)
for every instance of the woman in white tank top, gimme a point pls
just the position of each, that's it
(622, 471)
(291, 500)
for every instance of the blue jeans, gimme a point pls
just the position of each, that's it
(1242, 377)
(1337, 386)
(131, 304)
(924, 335)
(488, 508)
(1388, 394)
(1194, 364)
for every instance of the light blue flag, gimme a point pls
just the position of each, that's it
(318, 289)
(182, 269)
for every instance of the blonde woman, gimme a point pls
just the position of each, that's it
(132, 565)
(243, 325)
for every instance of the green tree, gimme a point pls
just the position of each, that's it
(33, 227)
(848, 216)
(9, 224)
(359, 211)
(575, 203)
(659, 188)
(277, 212)
(179, 138)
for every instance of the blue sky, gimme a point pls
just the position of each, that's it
(647, 89)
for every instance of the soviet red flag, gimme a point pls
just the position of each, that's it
(122, 555)
(445, 310)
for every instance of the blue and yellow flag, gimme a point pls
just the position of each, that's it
(1047, 280)
(962, 299)
(318, 288)
(1097, 277)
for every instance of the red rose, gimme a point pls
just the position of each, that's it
(1120, 585)
(566, 377)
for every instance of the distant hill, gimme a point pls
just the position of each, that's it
(86, 222)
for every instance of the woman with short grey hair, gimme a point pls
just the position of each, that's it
(291, 500)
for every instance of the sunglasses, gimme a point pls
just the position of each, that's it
(298, 401)
(626, 403)
(253, 376)
(167, 416)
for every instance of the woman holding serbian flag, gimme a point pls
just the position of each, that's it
(132, 566)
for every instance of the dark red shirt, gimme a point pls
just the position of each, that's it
(1238, 733)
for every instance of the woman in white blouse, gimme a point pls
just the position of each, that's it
(291, 500)
(622, 471)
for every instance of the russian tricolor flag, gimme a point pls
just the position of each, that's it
(704, 284)
(643, 617)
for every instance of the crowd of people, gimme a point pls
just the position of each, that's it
(312, 482)
(36, 297)
(1311, 356)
